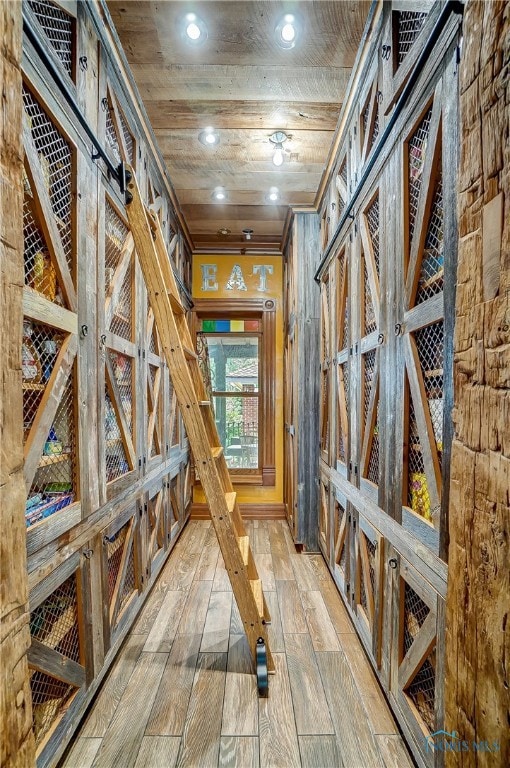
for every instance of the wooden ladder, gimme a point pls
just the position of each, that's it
(200, 426)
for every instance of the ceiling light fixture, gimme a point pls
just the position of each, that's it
(273, 195)
(193, 29)
(247, 232)
(209, 137)
(219, 194)
(287, 31)
(277, 138)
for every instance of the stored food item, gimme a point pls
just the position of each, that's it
(30, 363)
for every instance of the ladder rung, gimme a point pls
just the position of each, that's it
(217, 452)
(231, 501)
(244, 546)
(256, 588)
(204, 403)
(190, 353)
(175, 304)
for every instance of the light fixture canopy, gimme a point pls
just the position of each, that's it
(287, 31)
(278, 138)
(209, 137)
(193, 29)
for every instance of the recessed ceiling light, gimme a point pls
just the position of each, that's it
(219, 194)
(287, 31)
(194, 29)
(273, 195)
(209, 137)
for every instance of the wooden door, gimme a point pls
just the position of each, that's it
(290, 363)
(342, 341)
(370, 340)
(50, 331)
(416, 664)
(422, 330)
(56, 657)
(122, 577)
(119, 352)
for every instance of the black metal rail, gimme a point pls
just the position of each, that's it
(116, 172)
(119, 172)
(452, 6)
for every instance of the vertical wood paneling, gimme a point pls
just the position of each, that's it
(476, 696)
(17, 738)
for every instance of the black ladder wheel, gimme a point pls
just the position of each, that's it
(262, 679)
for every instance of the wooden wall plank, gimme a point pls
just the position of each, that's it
(476, 695)
(17, 742)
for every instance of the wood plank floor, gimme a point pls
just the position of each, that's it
(181, 692)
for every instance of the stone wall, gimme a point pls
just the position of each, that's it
(16, 708)
(478, 631)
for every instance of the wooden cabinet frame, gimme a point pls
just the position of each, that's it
(114, 538)
(387, 296)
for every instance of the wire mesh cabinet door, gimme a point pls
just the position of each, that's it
(122, 576)
(367, 584)
(417, 673)
(56, 656)
(153, 529)
(342, 335)
(50, 329)
(154, 372)
(119, 352)
(341, 541)
(370, 339)
(422, 330)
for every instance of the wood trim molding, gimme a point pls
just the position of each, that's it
(265, 309)
(272, 511)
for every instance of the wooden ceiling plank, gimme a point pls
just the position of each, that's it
(267, 82)
(242, 115)
(240, 32)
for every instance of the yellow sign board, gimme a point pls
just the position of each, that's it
(236, 277)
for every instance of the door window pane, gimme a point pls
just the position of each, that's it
(234, 363)
(238, 427)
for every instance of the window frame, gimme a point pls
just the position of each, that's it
(265, 311)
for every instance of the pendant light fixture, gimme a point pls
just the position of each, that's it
(278, 138)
